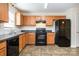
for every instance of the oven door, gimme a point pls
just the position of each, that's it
(41, 39)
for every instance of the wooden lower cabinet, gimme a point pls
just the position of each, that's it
(22, 41)
(3, 49)
(50, 38)
(3, 52)
(31, 38)
(27, 38)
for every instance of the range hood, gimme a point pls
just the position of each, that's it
(41, 24)
(40, 21)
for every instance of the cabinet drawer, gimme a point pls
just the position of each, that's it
(2, 44)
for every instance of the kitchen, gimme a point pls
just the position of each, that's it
(22, 26)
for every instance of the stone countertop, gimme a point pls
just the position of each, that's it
(34, 31)
(28, 31)
(7, 36)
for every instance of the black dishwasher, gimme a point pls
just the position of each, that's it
(13, 46)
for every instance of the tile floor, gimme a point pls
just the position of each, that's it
(49, 50)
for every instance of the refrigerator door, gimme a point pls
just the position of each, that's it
(62, 29)
(56, 31)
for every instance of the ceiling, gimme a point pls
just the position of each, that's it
(39, 7)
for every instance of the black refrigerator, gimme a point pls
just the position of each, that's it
(63, 32)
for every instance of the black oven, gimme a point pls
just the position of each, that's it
(41, 36)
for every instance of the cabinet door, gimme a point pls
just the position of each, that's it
(59, 17)
(26, 20)
(27, 38)
(24, 40)
(49, 20)
(20, 42)
(22, 21)
(3, 52)
(29, 20)
(4, 12)
(3, 49)
(18, 18)
(50, 38)
(31, 38)
(32, 20)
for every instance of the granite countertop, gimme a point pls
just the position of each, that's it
(7, 36)
(34, 31)
(28, 30)
(49, 30)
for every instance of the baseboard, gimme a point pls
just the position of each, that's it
(73, 46)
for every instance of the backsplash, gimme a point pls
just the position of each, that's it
(7, 30)
(28, 28)
(34, 27)
(1, 25)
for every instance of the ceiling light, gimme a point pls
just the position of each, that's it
(46, 4)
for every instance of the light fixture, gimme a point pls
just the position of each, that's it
(63, 22)
(45, 5)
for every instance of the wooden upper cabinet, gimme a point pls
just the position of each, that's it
(32, 20)
(18, 18)
(22, 21)
(29, 20)
(59, 17)
(4, 12)
(25, 19)
(40, 18)
(49, 20)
